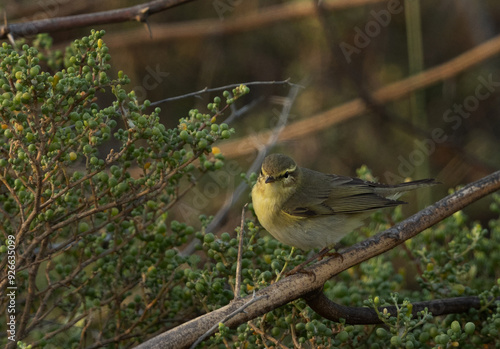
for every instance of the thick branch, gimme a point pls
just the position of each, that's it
(135, 13)
(301, 284)
(322, 305)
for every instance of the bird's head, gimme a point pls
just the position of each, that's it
(279, 170)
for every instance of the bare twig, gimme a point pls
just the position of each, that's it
(264, 335)
(222, 88)
(138, 13)
(237, 284)
(293, 333)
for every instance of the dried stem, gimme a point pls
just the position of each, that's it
(237, 285)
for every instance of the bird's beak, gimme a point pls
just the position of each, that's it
(270, 179)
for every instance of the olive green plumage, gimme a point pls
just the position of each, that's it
(309, 209)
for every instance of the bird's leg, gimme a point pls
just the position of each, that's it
(327, 253)
(320, 255)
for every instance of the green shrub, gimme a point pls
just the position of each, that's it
(86, 191)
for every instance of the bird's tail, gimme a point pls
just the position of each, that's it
(395, 191)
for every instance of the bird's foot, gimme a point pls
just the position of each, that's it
(333, 254)
(300, 269)
(319, 256)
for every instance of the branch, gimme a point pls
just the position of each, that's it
(301, 284)
(139, 13)
(241, 309)
(208, 27)
(330, 310)
(222, 88)
(391, 92)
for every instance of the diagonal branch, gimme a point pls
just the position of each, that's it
(138, 13)
(386, 94)
(301, 284)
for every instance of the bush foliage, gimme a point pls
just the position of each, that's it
(87, 186)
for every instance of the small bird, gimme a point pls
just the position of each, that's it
(307, 209)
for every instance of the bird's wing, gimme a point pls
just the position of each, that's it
(335, 194)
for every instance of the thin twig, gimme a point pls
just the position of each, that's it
(235, 114)
(222, 88)
(214, 327)
(138, 13)
(266, 336)
(237, 285)
(293, 333)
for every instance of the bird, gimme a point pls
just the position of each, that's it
(307, 209)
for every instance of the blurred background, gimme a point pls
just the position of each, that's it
(411, 89)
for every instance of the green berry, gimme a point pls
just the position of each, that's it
(275, 331)
(83, 227)
(342, 336)
(424, 337)
(225, 134)
(310, 326)
(209, 238)
(381, 332)
(184, 135)
(200, 287)
(202, 144)
(455, 326)
(34, 71)
(469, 328)
(396, 341)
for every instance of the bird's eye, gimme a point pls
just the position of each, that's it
(285, 175)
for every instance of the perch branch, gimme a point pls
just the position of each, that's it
(212, 329)
(301, 284)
